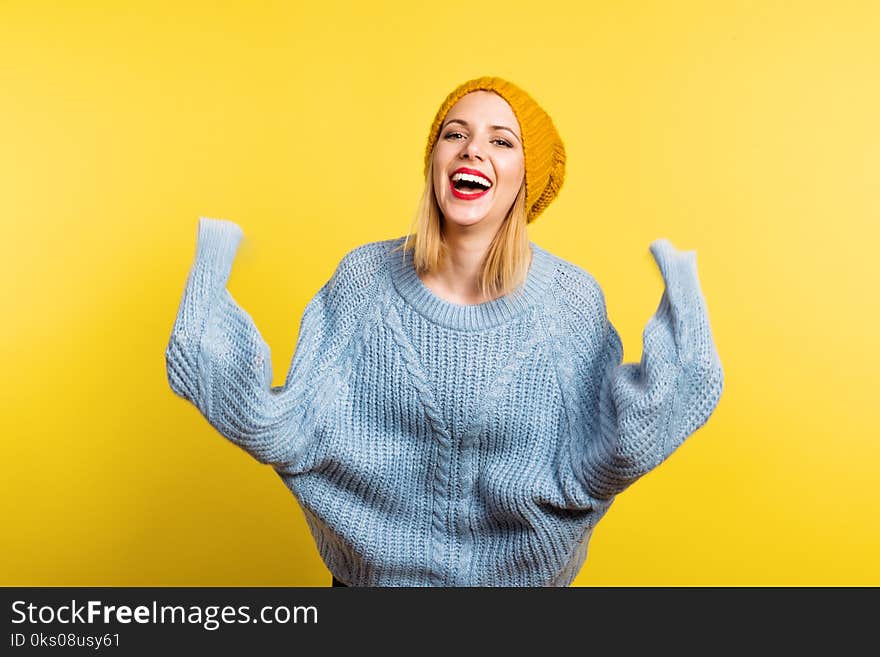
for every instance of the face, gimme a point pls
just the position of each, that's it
(470, 138)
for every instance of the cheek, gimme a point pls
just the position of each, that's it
(513, 172)
(440, 163)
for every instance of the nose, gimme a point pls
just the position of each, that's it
(472, 151)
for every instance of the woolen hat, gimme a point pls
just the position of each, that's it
(543, 150)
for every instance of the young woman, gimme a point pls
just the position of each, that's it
(456, 412)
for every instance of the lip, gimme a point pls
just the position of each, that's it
(475, 195)
(466, 197)
(475, 172)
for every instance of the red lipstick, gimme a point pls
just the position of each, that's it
(468, 196)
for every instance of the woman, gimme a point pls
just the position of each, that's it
(456, 412)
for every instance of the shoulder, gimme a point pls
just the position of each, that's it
(362, 269)
(371, 255)
(582, 312)
(578, 294)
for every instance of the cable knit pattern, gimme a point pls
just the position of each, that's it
(435, 444)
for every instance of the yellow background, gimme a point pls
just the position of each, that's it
(747, 131)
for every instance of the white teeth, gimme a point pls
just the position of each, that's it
(477, 179)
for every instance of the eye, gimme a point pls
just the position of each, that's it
(503, 142)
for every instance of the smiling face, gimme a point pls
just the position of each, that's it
(478, 161)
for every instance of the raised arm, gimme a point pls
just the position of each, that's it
(217, 359)
(647, 409)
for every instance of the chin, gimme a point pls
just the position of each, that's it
(463, 221)
(465, 216)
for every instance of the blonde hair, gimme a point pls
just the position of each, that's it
(507, 259)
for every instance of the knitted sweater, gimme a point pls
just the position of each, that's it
(436, 444)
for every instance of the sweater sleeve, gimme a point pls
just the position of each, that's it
(217, 359)
(647, 409)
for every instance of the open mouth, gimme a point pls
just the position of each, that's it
(468, 186)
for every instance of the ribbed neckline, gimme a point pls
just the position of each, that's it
(473, 317)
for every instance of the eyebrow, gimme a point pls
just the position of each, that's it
(494, 127)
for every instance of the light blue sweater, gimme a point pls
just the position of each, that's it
(436, 444)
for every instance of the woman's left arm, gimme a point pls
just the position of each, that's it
(647, 409)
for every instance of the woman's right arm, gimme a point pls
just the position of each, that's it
(217, 359)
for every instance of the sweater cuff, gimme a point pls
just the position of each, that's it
(217, 244)
(678, 268)
(683, 305)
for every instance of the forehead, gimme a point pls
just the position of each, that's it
(483, 106)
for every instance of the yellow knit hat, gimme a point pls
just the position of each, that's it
(543, 150)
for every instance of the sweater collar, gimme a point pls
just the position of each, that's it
(473, 317)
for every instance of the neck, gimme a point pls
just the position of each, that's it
(458, 278)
